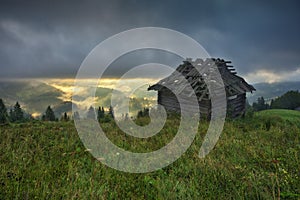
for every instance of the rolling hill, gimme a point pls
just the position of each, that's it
(34, 96)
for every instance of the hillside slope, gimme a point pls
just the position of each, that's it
(272, 90)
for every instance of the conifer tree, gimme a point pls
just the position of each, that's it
(91, 113)
(111, 111)
(100, 113)
(3, 113)
(49, 115)
(65, 117)
(11, 115)
(260, 104)
(17, 114)
(76, 115)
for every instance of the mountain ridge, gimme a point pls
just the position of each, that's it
(272, 90)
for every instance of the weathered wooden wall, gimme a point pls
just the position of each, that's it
(235, 106)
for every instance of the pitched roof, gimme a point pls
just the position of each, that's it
(189, 75)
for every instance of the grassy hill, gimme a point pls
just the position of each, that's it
(255, 158)
(288, 115)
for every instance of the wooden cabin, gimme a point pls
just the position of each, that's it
(235, 87)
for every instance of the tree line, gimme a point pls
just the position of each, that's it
(290, 100)
(98, 114)
(17, 114)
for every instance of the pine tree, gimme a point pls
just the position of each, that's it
(143, 113)
(91, 113)
(76, 115)
(111, 112)
(126, 117)
(140, 114)
(49, 115)
(65, 117)
(11, 115)
(17, 114)
(3, 113)
(260, 104)
(100, 113)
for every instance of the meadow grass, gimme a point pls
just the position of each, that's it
(255, 158)
(290, 115)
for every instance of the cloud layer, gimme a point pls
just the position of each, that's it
(46, 39)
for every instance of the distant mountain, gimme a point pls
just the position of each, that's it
(34, 97)
(272, 90)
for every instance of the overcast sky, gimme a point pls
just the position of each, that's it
(46, 39)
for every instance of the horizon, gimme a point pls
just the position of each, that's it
(272, 79)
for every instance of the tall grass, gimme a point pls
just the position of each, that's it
(250, 161)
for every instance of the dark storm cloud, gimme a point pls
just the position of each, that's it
(47, 39)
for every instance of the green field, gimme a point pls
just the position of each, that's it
(289, 115)
(255, 158)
